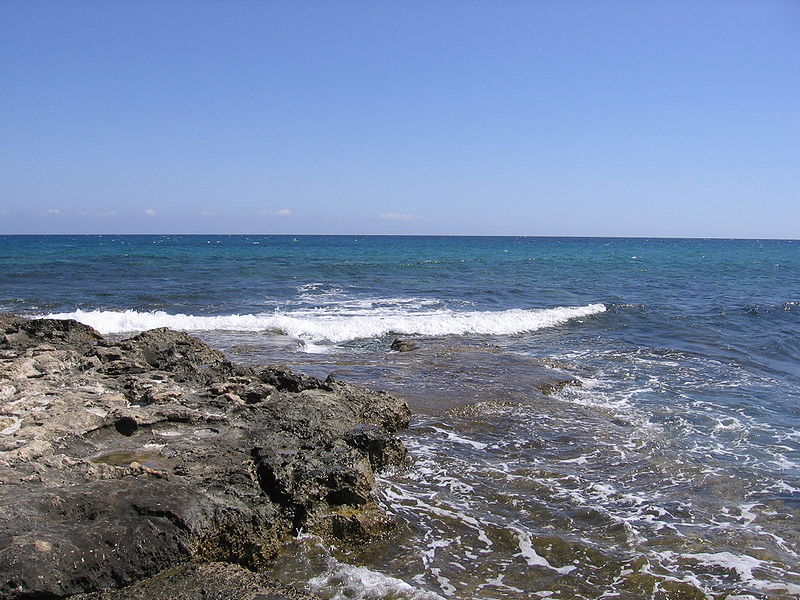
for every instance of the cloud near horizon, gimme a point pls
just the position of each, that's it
(88, 213)
(150, 212)
(53, 211)
(402, 217)
(284, 212)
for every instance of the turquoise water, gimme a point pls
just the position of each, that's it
(681, 449)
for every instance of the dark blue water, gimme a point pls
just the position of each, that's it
(684, 441)
(212, 274)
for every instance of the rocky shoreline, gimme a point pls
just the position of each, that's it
(155, 465)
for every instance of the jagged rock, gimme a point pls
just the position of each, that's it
(119, 460)
(383, 449)
(283, 379)
(399, 345)
(25, 333)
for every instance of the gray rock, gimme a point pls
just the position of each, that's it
(211, 581)
(24, 333)
(399, 345)
(120, 460)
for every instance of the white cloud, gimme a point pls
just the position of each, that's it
(150, 212)
(402, 217)
(88, 213)
(206, 213)
(3, 211)
(284, 212)
(53, 211)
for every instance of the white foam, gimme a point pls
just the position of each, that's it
(498, 582)
(347, 582)
(460, 440)
(16, 423)
(333, 326)
(532, 557)
(742, 564)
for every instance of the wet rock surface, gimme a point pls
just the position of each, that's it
(210, 581)
(120, 459)
(435, 375)
(399, 345)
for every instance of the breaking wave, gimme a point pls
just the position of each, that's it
(327, 325)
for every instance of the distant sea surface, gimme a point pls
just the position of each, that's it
(676, 463)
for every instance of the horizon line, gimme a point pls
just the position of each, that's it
(635, 237)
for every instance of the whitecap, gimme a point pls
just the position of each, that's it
(326, 325)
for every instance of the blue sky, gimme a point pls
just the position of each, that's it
(501, 118)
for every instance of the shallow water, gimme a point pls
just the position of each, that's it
(591, 490)
(673, 468)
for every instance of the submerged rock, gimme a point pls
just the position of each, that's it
(399, 345)
(217, 581)
(122, 459)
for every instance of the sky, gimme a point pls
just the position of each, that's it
(537, 117)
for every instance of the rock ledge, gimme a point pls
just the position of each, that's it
(120, 460)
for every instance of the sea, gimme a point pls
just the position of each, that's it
(670, 469)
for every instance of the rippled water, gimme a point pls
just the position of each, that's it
(673, 471)
(592, 490)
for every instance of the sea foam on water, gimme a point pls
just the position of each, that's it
(328, 325)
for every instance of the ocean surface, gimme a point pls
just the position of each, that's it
(674, 467)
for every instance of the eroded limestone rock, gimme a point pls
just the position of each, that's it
(122, 459)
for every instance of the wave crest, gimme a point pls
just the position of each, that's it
(329, 326)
